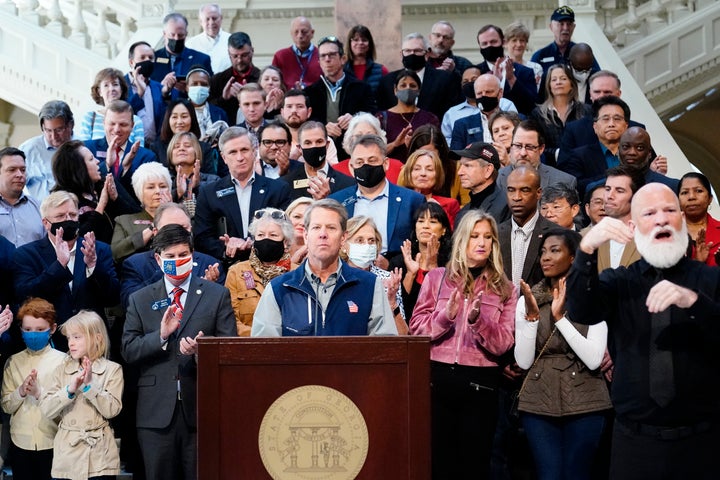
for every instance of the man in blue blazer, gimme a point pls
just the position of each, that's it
(391, 207)
(160, 335)
(225, 208)
(116, 154)
(174, 57)
(141, 269)
(71, 273)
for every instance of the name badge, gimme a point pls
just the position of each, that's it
(165, 302)
(162, 60)
(225, 192)
(101, 154)
(474, 130)
(142, 222)
(249, 280)
(304, 183)
(547, 59)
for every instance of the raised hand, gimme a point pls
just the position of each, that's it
(87, 368)
(411, 265)
(88, 250)
(212, 272)
(532, 312)
(170, 322)
(30, 386)
(558, 303)
(188, 345)
(62, 251)
(6, 318)
(453, 304)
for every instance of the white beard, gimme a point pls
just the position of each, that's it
(666, 254)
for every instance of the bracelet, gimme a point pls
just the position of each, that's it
(86, 388)
(70, 395)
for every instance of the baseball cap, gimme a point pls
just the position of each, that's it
(563, 13)
(478, 150)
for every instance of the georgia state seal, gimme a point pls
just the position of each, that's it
(313, 433)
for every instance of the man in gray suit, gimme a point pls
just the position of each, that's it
(527, 148)
(162, 325)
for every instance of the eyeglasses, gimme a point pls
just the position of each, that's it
(329, 55)
(278, 143)
(527, 147)
(417, 51)
(270, 212)
(55, 131)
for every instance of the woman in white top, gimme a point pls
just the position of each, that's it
(564, 397)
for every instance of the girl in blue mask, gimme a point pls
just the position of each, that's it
(27, 374)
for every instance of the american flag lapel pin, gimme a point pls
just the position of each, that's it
(352, 307)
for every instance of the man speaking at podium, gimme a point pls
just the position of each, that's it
(324, 296)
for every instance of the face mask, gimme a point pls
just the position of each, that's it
(407, 96)
(176, 46)
(413, 62)
(581, 76)
(362, 255)
(315, 156)
(488, 104)
(70, 229)
(268, 250)
(198, 94)
(146, 68)
(177, 268)
(369, 176)
(36, 340)
(490, 54)
(468, 90)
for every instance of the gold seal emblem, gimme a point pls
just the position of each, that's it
(313, 433)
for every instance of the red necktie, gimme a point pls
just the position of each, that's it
(118, 162)
(177, 293)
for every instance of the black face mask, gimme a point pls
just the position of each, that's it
(468, 90)
(70, 229)
(369, 176)
(413, 62)
(176, 46)
(314, 156)
(146, 68)
(490, 54)
(268, 250)
(488, 104)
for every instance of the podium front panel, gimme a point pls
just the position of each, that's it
(386, 378)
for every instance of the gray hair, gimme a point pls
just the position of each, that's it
(232, 133)
(327, 204)
(164, 207)
(147, 172)
(55, 109)
(361, 117)
(209, 5)
(285, 225)
(414, 35)
(56, 199)
(367, 140)
(174, 17)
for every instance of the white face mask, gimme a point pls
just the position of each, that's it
(362, 255)
(581, 77)
(198, 94)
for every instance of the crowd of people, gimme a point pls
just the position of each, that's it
(509, 210)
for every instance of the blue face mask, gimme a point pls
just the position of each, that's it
(36, 340)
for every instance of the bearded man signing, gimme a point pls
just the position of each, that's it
(663, 313)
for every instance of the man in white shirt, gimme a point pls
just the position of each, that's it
(213, 41)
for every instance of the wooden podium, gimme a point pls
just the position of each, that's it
(300, 405)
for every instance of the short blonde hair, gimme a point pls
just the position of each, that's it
(195, 146)
(93, 329)
(56, 199)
